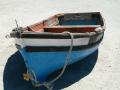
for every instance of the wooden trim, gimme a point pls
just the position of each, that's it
(60, 48)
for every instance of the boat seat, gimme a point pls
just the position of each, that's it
(73, 29)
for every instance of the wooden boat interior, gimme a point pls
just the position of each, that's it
(72, 22)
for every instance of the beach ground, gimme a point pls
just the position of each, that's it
(105, 71)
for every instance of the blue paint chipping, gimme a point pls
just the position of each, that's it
(45, 63)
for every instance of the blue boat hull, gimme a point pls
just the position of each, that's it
(44, 63)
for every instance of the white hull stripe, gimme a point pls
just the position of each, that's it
(56, 42)
(52, 42)
(60, 48)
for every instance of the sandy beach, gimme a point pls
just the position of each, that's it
(100, 71)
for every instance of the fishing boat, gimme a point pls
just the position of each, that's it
(45, 46)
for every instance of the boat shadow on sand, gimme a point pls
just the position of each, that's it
(15, 67)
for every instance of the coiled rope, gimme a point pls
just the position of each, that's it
(48, 85)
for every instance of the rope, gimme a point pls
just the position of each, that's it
(67, 60)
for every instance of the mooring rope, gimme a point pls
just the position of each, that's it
(67, 60)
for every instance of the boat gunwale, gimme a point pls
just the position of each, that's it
(49, 35)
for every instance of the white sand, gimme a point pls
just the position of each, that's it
(106, 73)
